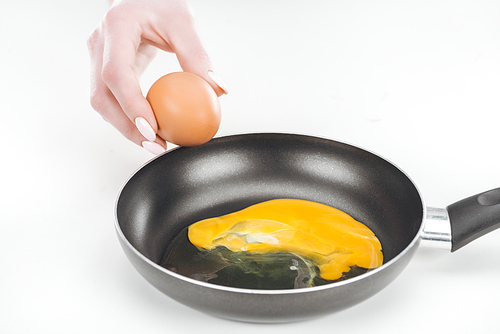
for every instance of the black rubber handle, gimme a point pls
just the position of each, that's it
(473, 217)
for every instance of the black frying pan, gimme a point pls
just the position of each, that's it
(230, 173)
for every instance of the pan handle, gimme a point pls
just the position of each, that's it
(473, 217)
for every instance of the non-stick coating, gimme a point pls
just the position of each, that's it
(231, 173)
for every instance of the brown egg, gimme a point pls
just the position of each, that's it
(186, 107)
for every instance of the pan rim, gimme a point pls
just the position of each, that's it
(414, 242)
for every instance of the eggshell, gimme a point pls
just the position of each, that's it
(186, 108)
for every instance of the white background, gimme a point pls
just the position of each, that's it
(415, 81)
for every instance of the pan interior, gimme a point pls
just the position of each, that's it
(230, 173)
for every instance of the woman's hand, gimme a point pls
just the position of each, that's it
(121, 48)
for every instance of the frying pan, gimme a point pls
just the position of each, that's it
(230, 173)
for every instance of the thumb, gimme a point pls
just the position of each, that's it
(199, 63)
(193, 58)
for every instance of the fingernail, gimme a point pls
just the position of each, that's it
(218, 81)
(145, 129)
(153, 147)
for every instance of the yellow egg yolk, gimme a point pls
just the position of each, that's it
(330, 238)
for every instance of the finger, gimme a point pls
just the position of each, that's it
(112, 113)
(103, 101)
(192, 56)
(95, 46)
(145, 53)
(121, 45)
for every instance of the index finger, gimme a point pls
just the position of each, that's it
(118, 71)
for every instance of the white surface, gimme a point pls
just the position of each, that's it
(415, 81)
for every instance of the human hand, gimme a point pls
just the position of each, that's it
(124, 44)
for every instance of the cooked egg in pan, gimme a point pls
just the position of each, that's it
(277, 244)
